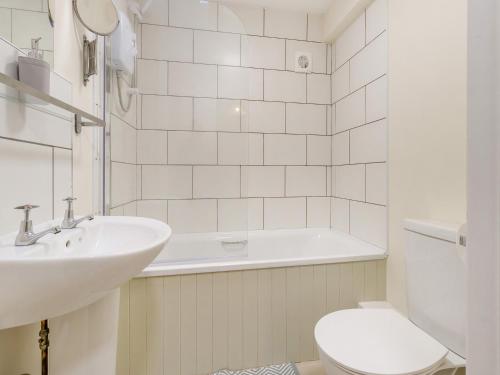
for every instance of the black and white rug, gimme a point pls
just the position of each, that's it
(282, 369)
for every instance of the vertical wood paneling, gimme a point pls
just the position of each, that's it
(122, 362)
(250, 319)
(306, 313)
(265, 334)
(188, 325)
(220, 320)
(155, 320)
(346, 286)
(332, 287)
(320, 298)
(235, 320)
(278, 314)
(138, 315)
(204, 323)
(172, 325)
(358, 282)
(293, 314)
(370, 281)
(381, 280)
(195, 324)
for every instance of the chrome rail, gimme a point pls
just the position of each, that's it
(79, 114)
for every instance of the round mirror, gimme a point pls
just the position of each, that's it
(99, 16)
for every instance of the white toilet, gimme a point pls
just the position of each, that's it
(381, 341)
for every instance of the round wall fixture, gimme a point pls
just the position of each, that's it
(303, 62)
(99, 16)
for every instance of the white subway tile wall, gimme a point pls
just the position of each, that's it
(230, 137)
(359, 145)
(36, 158)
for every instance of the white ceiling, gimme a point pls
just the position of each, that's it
(311, 6)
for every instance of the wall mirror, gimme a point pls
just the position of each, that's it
(22, 21)
(99, 16)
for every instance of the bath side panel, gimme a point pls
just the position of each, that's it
(195, 324)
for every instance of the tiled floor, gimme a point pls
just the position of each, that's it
(310, 368)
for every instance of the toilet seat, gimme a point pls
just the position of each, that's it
(377, 342)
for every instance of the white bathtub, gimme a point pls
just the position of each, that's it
(217, 252)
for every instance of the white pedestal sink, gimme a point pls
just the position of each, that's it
(75, 268)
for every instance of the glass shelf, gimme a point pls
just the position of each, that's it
(82, 118)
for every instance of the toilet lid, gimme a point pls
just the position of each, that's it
(377, 342)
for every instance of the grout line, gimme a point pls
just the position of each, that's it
(167, 146)
(217, 78)
(168, 86)
(193, 115)
(365, 181)
(231, 66)
(349, 146)
(236, 33)
(307, 219)
(264, 22)
(35, 143)
(240, 117)
(360, 126)
(194, 39)
(284, 181)
(263, 149)
(245, 165)
(239, 98)
(349, 219)
(364, 109)
(53, 183)
(364, 15)
(219, 16)
(307, 153)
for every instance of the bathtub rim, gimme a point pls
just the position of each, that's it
(241, 264)
(157, 270)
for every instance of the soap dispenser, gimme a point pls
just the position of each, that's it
(33, 70)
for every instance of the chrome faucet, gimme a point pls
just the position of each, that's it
(26, 236)
(69, 221)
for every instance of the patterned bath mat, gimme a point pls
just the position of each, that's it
(282, 369)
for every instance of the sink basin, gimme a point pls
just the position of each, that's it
(75, 268)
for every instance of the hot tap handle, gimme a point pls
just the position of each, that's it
(70, 201)
(26, 208)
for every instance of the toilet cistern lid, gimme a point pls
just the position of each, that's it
(377, 342)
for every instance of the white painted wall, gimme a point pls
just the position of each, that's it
(427, 126)
(340, 15)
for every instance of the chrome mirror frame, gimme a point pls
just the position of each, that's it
(78, 15)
